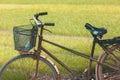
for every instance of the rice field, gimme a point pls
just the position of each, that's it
(69, 17)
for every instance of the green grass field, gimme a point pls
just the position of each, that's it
(69, 17)
(67, 23)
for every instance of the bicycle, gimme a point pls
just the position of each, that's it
(35, 66)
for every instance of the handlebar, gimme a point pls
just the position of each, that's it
(40, 14)
(49, 24)
(40, 23)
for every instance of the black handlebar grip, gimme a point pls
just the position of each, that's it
(49, 24)
(42, 13)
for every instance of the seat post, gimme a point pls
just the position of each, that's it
(95, 40)
(91, 56)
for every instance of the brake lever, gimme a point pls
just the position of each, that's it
(47, 30)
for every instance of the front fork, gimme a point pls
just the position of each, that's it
(37, 53)
(37, 57)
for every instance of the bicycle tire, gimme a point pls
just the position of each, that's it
(22, 68)
(104, 72)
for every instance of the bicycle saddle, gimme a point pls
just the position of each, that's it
(96, 31)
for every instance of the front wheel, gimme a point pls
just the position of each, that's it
(23, 67)
(111, 72)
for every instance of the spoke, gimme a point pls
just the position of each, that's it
(115, 77)
(114, 57)
(115, 67)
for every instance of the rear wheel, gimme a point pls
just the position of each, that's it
(23, 67)
(104, 72)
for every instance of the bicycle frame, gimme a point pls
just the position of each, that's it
(91, 57)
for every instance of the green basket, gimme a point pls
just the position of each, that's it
(25, 37)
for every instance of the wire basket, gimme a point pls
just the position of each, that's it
(25, 37)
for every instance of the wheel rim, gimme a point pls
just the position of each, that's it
(105, 72)
(25, 69)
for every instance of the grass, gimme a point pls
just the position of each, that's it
(69, 16)
(67, 23)
(113, 2)
(6, 47)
